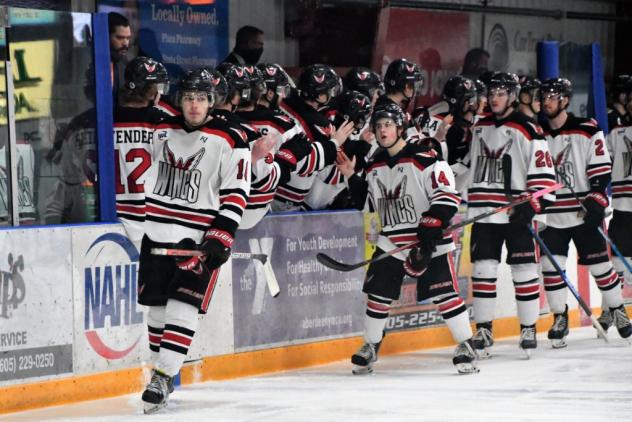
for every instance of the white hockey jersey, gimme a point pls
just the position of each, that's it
(402, 188)
(26, 179)
(620, 147)
(531, 167)
(198, 180)
(579, 150)
(133, 145)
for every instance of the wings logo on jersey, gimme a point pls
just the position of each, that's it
(178, 177)
(563, 166)
(489, 166)
(627, 157)
(395, 208)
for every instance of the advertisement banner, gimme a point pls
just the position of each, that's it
(36, 330)
(110, 327)
(437, 41)
(184, 35)
(315, 302)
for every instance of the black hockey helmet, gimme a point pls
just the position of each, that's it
(237, 80)
(275, 78)
(505, 80)
(144, 71)
(388, 111)
(355, 106)
(529, 83)
(560, 86)
(220, 86)
(481, 88)
(401, 72)
(620, 85)
(198, 80)
(364, 80)
(257, 84)
(486, 76)
(317, 79)
(457, 91)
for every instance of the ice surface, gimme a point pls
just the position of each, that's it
(588, 381)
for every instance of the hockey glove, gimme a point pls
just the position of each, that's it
(429, 232)
(292, 151)
(216, 247)
(417, 261)
(458, 142)
(188, 263)
(595, 204)
(522, 214)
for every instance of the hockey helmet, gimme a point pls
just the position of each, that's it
(457, 91)
(481, 88)
(257, 84)
(355, 106)
(560, 86)
(364, 80)
(401, 72)
(220, 86)
(144, 71)
(237, 80)
(388, 111)
(317, 79)
(198, 80)
(621, 85)
(504, 80)
(275, 78)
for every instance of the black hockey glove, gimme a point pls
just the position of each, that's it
(522, 214)
(417, 261)
(188, 263)
(595, 204)
(429, 232)
(216, 247)
(292, 151)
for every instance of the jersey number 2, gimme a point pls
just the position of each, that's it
(133, 176)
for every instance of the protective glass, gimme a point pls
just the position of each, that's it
(190, 97)
(550, 96)
(283, 90)
(163, 89)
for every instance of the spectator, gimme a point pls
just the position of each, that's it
(248, 46)
(475, 63)
(120, 35)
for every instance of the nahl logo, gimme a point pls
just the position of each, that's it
(178, 177)
(110, 287)
(12, 287)
(394, 206)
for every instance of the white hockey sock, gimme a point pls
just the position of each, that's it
(608, 283)
(527, 287)
(484, 289)
(624, 275)
(181, 320)
(454, 314)
(554, 286)
(377, 309)
(155, 326)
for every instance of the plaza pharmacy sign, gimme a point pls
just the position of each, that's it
(112, 321)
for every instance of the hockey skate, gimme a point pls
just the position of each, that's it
(156, 394)
(559, 330)
(622, 322)
(465, 358)
(483, 339)
(528, 341)
(605, 319)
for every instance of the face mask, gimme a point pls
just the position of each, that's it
(251, 55)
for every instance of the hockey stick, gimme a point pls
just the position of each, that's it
(567, 184)
(562, 274)
(271, 280)
(340, 266)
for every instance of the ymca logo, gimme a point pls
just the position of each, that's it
(110, 293)
(394, 206)
(12, 287)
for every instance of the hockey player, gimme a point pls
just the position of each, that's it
(135, 120)
(278, 85)
(617, 110)
(581, 158)
(329, 185)
(365, 81)
(529, 97)
(316, 87)
(620, 146)
(196, 191)
(508, 157)
(414, 195)
(403, 82)
(273, 164)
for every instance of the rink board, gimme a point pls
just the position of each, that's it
(70, 328)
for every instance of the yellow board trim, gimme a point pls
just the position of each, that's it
(115, 383)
